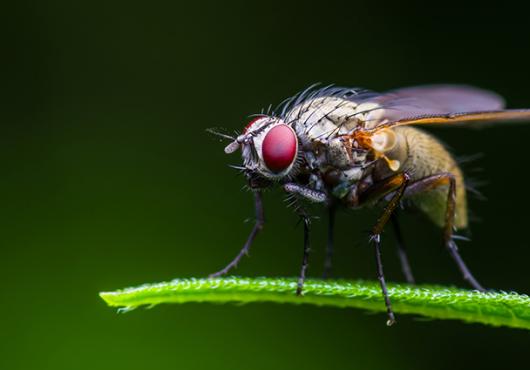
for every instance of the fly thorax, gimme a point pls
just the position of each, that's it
(353, 174)
(338, 155)
(370, 114)
(323, 118)
(343, 153)
(345, 167)
(344, 181)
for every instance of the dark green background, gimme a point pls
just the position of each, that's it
(108, 179)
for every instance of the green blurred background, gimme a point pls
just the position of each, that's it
(108, 179)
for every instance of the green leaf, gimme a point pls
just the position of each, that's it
(436, 302)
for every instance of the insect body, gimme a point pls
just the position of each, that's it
(342, 147)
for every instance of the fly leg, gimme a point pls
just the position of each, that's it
(329, 246)
(402, 254)
(313, 196)
(395, 185)
(258, 226)
(305, 257)
(432, 182)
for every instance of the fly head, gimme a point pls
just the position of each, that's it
(269, 149)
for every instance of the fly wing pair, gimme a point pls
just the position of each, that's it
(442, 105)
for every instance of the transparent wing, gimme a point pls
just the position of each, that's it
(480, 118)
(432, 100)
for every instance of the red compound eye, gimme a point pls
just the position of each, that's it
(279, 148)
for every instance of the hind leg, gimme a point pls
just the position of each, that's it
(432, 182)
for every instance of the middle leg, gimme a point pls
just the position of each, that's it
(396, 186)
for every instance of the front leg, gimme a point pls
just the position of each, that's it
(260, 221)
(313, 196)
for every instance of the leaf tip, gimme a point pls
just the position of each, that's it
(108, 297)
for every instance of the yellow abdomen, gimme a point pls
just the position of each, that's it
(422, 155)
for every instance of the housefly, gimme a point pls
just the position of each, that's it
(353, 148)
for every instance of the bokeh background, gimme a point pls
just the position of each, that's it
(108, 180)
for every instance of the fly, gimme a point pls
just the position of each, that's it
(347, 147)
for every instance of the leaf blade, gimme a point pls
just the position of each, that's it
(436, 302)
